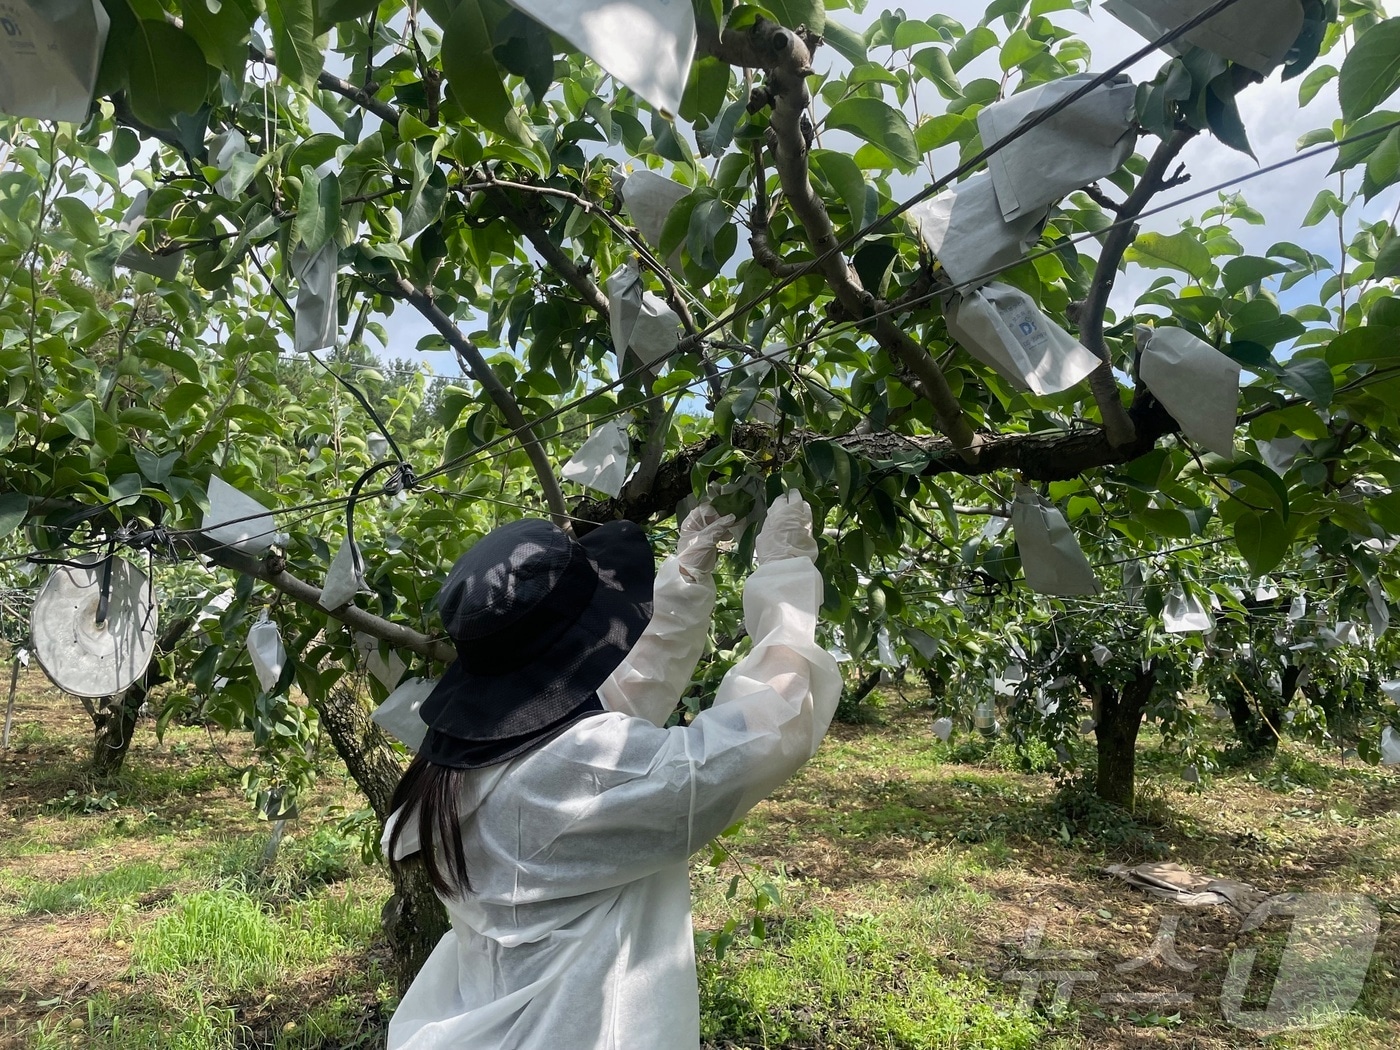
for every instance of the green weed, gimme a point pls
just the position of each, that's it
(28, 736)
(89, 892)
(1290, 771)
(860, 982)
(104, 1023)
(231, 942)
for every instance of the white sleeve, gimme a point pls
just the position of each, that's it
(655, 673)
(615, 798)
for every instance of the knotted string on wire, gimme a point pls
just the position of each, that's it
(403, 479)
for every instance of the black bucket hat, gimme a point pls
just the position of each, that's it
(540, 620)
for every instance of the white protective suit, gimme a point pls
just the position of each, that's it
(576, 932)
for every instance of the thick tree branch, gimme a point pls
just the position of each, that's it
(553, 255)
(1050, 456)
(752, 47)
(272, 570)
(482, 372)
(787, 67)
(1117, 423)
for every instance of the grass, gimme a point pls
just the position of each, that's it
(93, 891)
(900, 879)
(861, 981)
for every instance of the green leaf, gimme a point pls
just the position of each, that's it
(707, 219)
(1371, 71)
(425, 204)
(1366, 345)
(1313, 83)
(1312, 378)
(1387, 257)
(80, 419)
(175, 359)
(166, 74)
(1261, 488)
(847, 43)
(332, 11)
(78, 215)
(933, 63)
(14, 508)
(1383, 165)
(942, 129)
(155, 468)
(1179, 251)
(318, 210)
(977, 40)
(845, 178)
(1020, 47)
(474, 78)
(706, 89)
(795, 13)
(299, 54)
(1325, 203)
(1262, 540)
(1247, 270)
(872, 264)
(222, 34)
(881, 125)
(243, 169)
(1223, 115)
(912, 33)
(313, 151)
(1362, 139)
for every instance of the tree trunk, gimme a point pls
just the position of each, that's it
(116, 723)
(935, 684)
(414, 919)
(115, 720)
(1119, 717)
(1259, 730)
(1241, 714)
(1271, 708)
(847, 709)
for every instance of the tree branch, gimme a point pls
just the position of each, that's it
(674, 299)
(1117, 423)
(364, 99)
(553, 255)
(482, 372)
(272, 570)
(786, 88)
(1049, 456)
(759, 243)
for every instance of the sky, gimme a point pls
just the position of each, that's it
(1270, 112)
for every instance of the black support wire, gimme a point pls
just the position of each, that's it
(781, 351)
(775, 353)
(972, 162)
(693, 341)
(849, 326)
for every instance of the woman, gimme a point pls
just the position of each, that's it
(554, 813)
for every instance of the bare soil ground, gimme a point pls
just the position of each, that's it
(884, 819)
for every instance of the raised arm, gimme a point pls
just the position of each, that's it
(651, 679)
(616, 798)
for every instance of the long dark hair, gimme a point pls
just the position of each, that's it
(428, 794)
